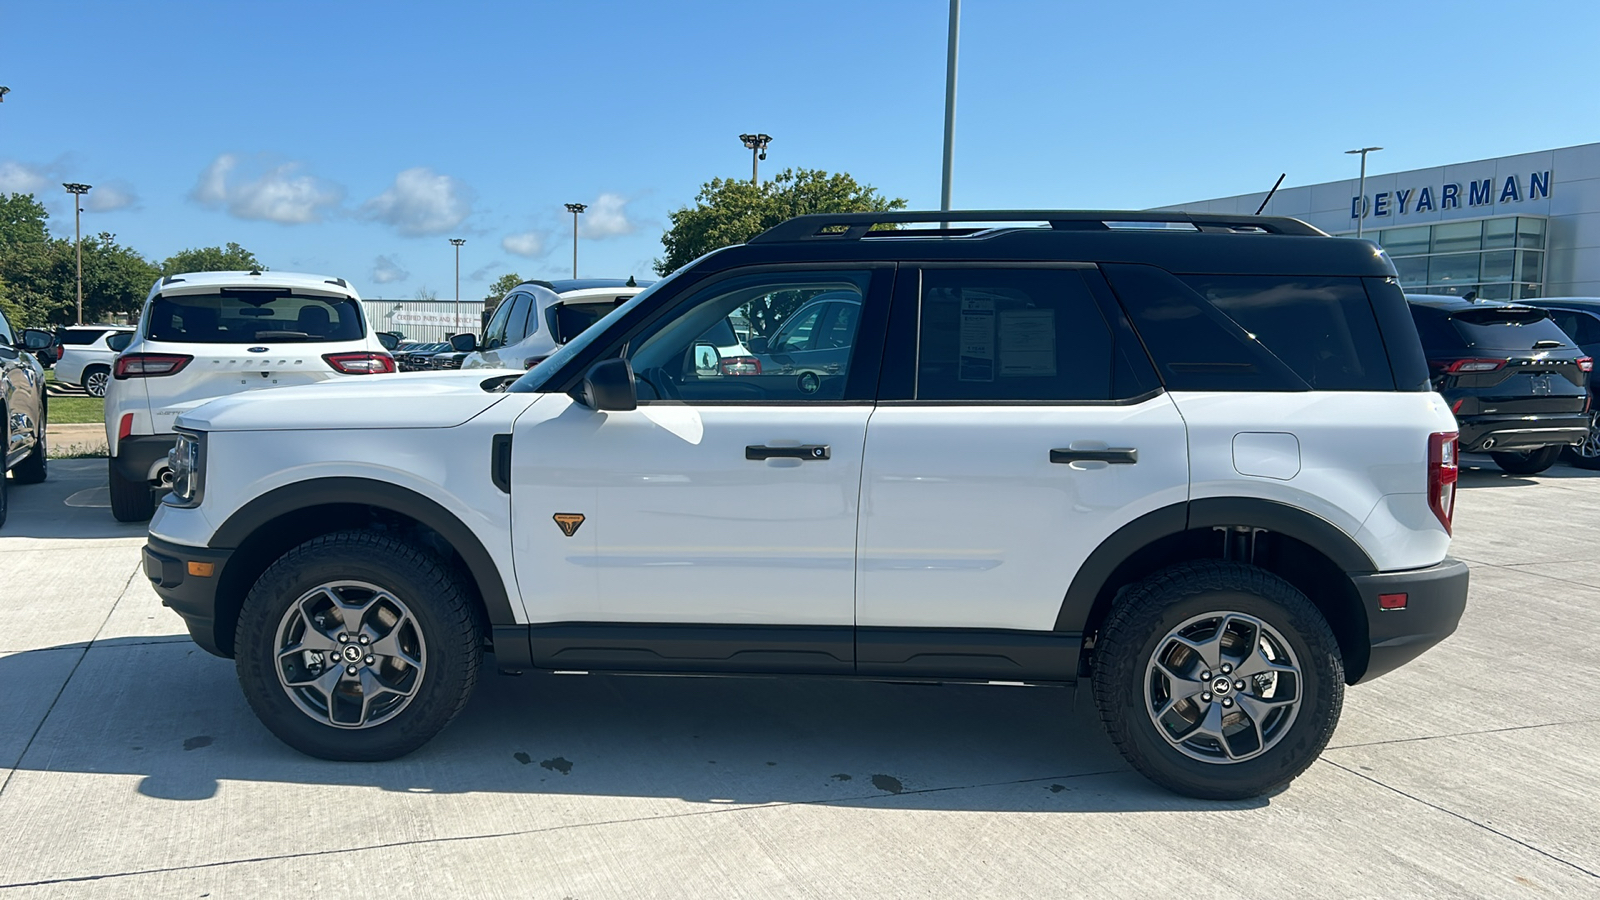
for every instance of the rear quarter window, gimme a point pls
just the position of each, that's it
(249, 317)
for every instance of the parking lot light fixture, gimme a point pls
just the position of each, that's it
(757, 145)
(77, 191)
(576, 209)
(3, 92)
(1361, 188)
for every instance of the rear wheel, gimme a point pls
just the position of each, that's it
(1218, 680)
(1586, 455)
(131, 501)
(96, 379)
(1528, 462)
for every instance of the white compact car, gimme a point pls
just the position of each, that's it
(87, 352)
(207, 334)
(539, 316)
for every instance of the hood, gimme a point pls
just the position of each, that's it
(413, 400)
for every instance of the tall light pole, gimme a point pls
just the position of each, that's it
(456, 311)
(77, 191)
(757, 145)
(1361, 189)
(950, 105)
(575, 209)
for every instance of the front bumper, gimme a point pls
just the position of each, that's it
(137, 455)
(194, 597)
(1521, 432)
(1435, 599)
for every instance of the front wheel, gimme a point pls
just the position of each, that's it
(357, 646)
(1528, 462)
(1218, 680)
(1586, 455)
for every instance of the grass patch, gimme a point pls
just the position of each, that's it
(77, 410)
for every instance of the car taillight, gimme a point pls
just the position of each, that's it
(360, 363)
(741, 365)
(532, 361)
(1585, 364)
(1468, 366)
(1443, 472)
(149, 365)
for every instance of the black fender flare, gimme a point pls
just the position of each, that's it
(382, 495)
(1250, 512)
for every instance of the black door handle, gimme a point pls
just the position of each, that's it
(1118, 457)
(804, 451)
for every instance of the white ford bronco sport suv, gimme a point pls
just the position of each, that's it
(1198, 467)
(204, 335)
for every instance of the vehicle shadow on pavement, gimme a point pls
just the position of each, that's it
(164, 710)
(74, 502)
(1479, 471)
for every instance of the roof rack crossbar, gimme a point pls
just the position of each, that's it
(827, 226)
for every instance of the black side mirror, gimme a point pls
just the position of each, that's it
(757, 345)
(34, 339)
(608, 386)
(466, 342)
(119, 342)
(388, 340)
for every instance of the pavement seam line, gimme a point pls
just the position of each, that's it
(1469, 820)
(1511, 568)
(67, 681)
(1436, 737)
(419, 842)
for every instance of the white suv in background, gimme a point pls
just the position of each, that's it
(539, 316)
(86, 357)
(204, 335)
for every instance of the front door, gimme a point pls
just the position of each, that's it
(713, 527)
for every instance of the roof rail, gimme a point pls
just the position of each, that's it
(854, 226)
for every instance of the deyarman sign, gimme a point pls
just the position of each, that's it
(1452, 196)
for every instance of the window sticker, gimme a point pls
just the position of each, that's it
(1028, 342)
(977, 337)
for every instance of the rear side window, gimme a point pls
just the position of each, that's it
(1012, 334)
(80, 337)
(1322, 328)
(1508, 328)
(253, 316)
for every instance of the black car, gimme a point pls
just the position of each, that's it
(419, 358)
(1579, 317)
(1516, 383)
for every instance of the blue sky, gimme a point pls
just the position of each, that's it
(354, 139)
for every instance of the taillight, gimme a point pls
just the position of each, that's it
(741, 365)
(1585, 364)
(1443, 472)
(149, 365)
(360, 363)
(1468, 366)
(532, 361)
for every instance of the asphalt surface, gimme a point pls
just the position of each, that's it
(130, 765)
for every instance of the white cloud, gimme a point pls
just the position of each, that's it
(111, 197)
(421, 202)
(277, 194)
(21, 178)
(529, 243)
(386, 271)
(606, 217)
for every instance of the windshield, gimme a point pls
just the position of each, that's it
(253, 316)
(535, 377)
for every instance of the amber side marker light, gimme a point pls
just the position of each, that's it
(1385, 601)
(204, 570)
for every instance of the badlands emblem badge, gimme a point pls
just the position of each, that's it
(569, 522)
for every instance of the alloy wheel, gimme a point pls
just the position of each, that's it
(95, 384)
(350, 654)
(1590, 447)
(1223, 687)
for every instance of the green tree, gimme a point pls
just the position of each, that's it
(22, 220)
(730, 211)
(501, 287)
(28, 261)
(116, 279)
(232, 258)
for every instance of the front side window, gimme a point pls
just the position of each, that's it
(7, 336)
(253, 316)
(693, 354)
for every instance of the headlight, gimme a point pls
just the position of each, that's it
(187, 460)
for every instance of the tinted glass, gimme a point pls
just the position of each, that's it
(1530, 232)
(1195, 346)
(1500, 233)
(80, 336)
(7, 338)
(1452, 236)
(1011, 334)
(1406, 241)
(516, 319)
(573, 319)
(120, 341)
(495, 334)
(1454, 267)
(1514, 328)
(796, 333)
(249, 317)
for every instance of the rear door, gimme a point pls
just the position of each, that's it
(1018, 426)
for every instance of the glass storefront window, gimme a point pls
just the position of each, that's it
(1413, 270)
(1530, 266)
(1494, 292)
(1497, 265)
(1453, 267)
(1528, 291)
(1406, 241)
(1452, 237)
(1530, 233)
(1500, 233)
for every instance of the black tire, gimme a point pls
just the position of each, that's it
(95, 380)
(36, 467)
(434, 594)
(1139, 627)
(1528, 462)
(5, 484)
(1587, 454)
(131, 501)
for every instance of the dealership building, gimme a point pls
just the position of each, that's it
(1508, 228)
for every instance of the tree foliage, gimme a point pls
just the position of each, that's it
(232, 258)
(729, 211)
(501, 287)
(40, 272)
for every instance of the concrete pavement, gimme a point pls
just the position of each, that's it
(131, 766)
